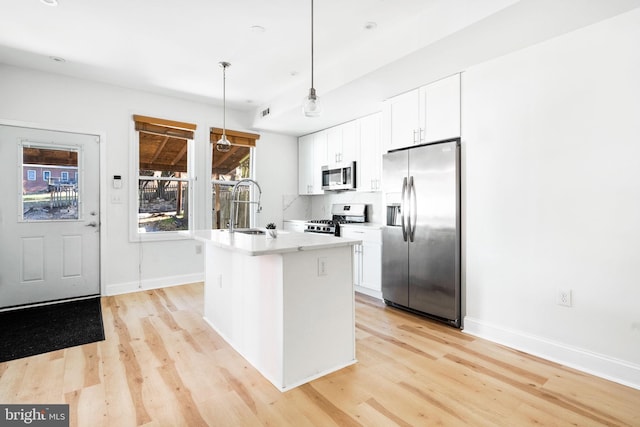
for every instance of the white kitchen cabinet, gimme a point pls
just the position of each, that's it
(312, 154)
(342, 142)
(430, 113)
(442, 109)
(367, 260)
(305, 164)
(321, 158)
(369, 169)
(403, 120)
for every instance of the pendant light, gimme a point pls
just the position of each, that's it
(223, 145)
(311, 106)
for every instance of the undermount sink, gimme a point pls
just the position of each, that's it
(249, 231)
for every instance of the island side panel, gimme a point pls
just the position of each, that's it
(319, 313)
(262, 319)
(243, 303)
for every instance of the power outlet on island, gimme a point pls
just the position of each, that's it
(322, 266)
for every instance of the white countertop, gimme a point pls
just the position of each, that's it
(253, 245)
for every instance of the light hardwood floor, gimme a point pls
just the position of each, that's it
(161, 365)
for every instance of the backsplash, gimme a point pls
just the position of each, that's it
(296, 207)
(321, 205)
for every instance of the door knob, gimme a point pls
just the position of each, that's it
(92, 224)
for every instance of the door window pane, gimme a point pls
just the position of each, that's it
(55, 197)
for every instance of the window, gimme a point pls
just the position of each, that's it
(226, 170)
(52, 198)
(164, 177)
(64, 177)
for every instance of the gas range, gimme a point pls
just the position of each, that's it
(341, 214)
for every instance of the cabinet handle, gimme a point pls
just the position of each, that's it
(421, 134)
(415, 135)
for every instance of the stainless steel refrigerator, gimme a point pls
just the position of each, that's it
(421, 238)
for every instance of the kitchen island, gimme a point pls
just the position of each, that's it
(286, 304)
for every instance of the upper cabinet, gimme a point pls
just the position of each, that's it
(403, 115)
(430, 113)
(355, 141)
(369, 168)
(442, 109)
(342, 143)
(312, 155)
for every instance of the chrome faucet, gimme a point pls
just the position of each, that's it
(234, 202)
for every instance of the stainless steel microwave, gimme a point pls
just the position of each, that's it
(339, 177)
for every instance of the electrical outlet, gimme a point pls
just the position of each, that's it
(322, 266)
(564, 297)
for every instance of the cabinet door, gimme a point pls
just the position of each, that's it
(367, 256)
(320, 159)
(342, 143)
(334, 145)
(306, 164)
(403, 115)
(371, 266)
(357, 254)
(349, 150)
(369, 169)
(442, 109)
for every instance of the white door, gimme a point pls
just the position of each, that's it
(49, 215)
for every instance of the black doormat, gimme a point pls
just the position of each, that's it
(30, 331)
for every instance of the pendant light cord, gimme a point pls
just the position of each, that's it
(224, 101)
(312, 43)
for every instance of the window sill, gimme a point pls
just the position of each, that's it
(159, 236)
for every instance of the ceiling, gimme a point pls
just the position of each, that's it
(174, 47)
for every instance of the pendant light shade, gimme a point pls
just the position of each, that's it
(223, 145)
(311, 106)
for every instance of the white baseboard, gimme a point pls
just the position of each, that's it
(592, 363)
(367, 291)
(161, 282)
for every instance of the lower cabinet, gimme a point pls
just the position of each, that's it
(367, 262)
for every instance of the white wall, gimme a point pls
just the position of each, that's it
(552, 183)
(276, 171)
(79, 105)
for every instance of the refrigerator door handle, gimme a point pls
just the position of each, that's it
(413, 210)
(403, 210)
